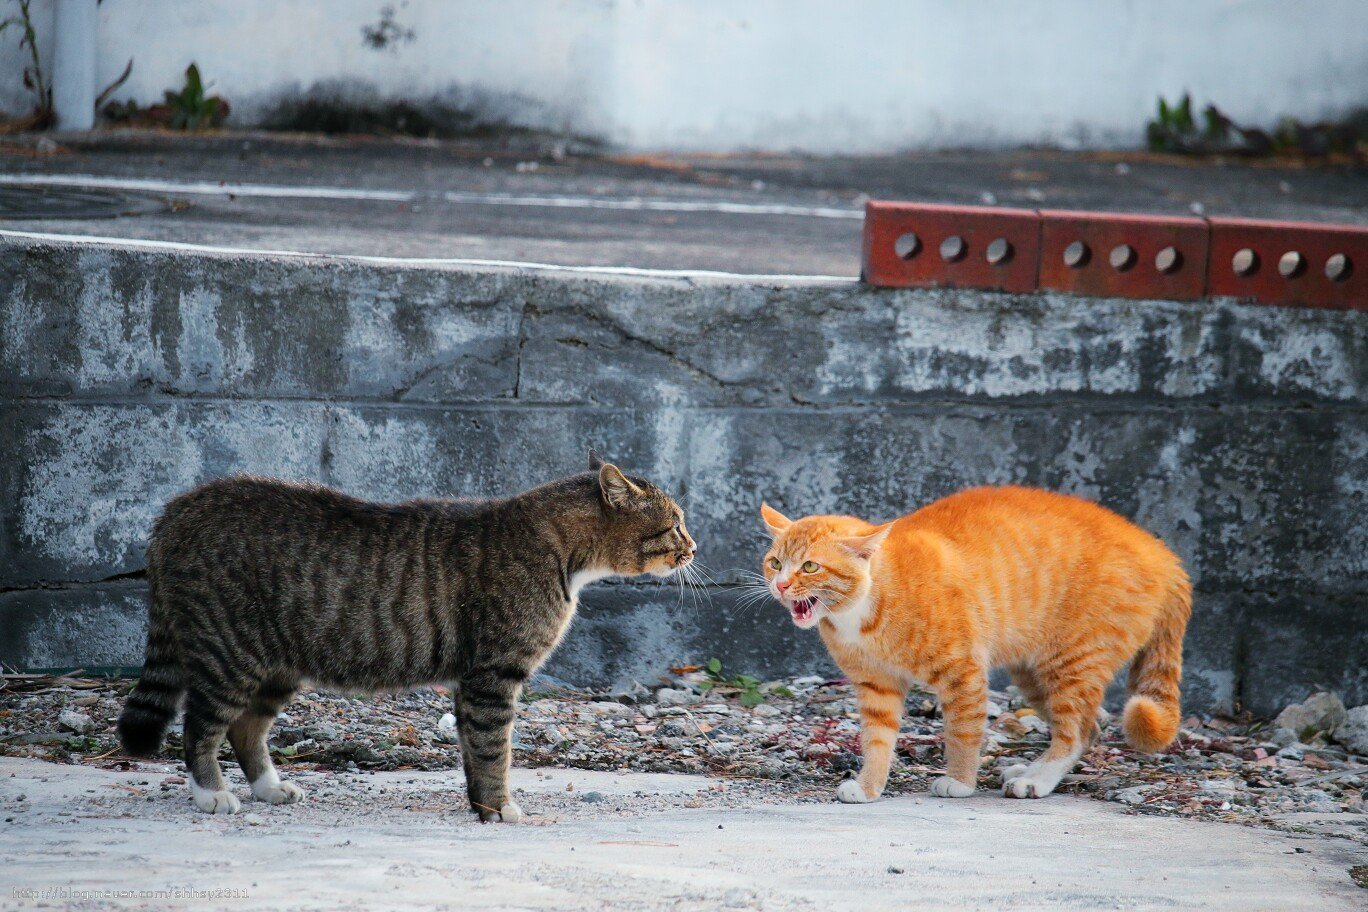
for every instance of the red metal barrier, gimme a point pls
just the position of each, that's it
(1123, 256)
(951, 246)
(1113, 255)
(1290, 263)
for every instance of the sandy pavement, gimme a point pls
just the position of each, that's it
(602, 840)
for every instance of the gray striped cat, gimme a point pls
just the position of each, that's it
(259, 585)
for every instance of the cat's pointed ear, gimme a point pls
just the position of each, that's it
(775, 521)
(864, 546)
(595, 462)
(617, 489)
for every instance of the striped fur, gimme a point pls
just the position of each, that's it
(1056, 589)
(259, 586)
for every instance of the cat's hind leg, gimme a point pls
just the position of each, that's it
(248, 736)
(206, 722)
(1073, 714)
(1033, 692)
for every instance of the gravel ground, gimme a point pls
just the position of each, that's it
(797, 741)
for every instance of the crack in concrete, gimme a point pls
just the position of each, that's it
(913, 403)
(659, 348)
(118, 579)
(522, 343)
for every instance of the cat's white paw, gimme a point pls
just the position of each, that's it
(221, 802)
(277, 792)
(1013, 771)
(1028, 785)
(950, 787)
(508, 812)
(851, 792)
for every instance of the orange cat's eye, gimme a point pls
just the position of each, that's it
(810, 567)
(775, 563)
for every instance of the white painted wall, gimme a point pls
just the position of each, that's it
(722, 75)
(886, 74)
(14, 98)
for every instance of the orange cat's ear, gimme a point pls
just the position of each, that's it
(775, 521)
(864, 546)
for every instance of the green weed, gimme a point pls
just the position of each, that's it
(748, 690)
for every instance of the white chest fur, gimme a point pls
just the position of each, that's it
(581, 578)
(578, 581)
(847, 623)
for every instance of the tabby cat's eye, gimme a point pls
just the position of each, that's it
(774, 563)
(810, 567)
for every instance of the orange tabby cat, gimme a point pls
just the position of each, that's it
(1060, 591)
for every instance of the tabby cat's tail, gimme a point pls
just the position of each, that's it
(153, 703)
(1154, 710)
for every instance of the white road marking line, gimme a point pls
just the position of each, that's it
(226, 188)
(638, 271)
(204, 188)
(649, 205)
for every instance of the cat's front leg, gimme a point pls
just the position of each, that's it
(485, 705)
(881, 709)
(964, 701)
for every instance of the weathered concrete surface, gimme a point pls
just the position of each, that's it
(1239, 434)
(906, 853)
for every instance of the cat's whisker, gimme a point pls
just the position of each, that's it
(707, 583)
(702, 571)
(750, 600)
(686, 575)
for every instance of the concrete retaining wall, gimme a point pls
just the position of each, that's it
(1236, 433)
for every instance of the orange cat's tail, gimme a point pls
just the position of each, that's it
(1154, 710)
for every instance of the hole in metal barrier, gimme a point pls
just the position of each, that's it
(953, 248)
(1291, 264)
(999, 252)
(1245, 262)
(1338, 268)
(1122, 257)
(1076, 255)
(1168, 260)
(907, 246)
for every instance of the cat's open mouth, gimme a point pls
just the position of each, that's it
(802, 609)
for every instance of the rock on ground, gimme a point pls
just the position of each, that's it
(1353, 731)
(1319, 713)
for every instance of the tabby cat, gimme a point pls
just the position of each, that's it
(259, 585)
(1058, 590)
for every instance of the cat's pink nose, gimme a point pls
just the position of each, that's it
(782, 586)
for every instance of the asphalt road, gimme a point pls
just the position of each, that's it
(539, 203)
